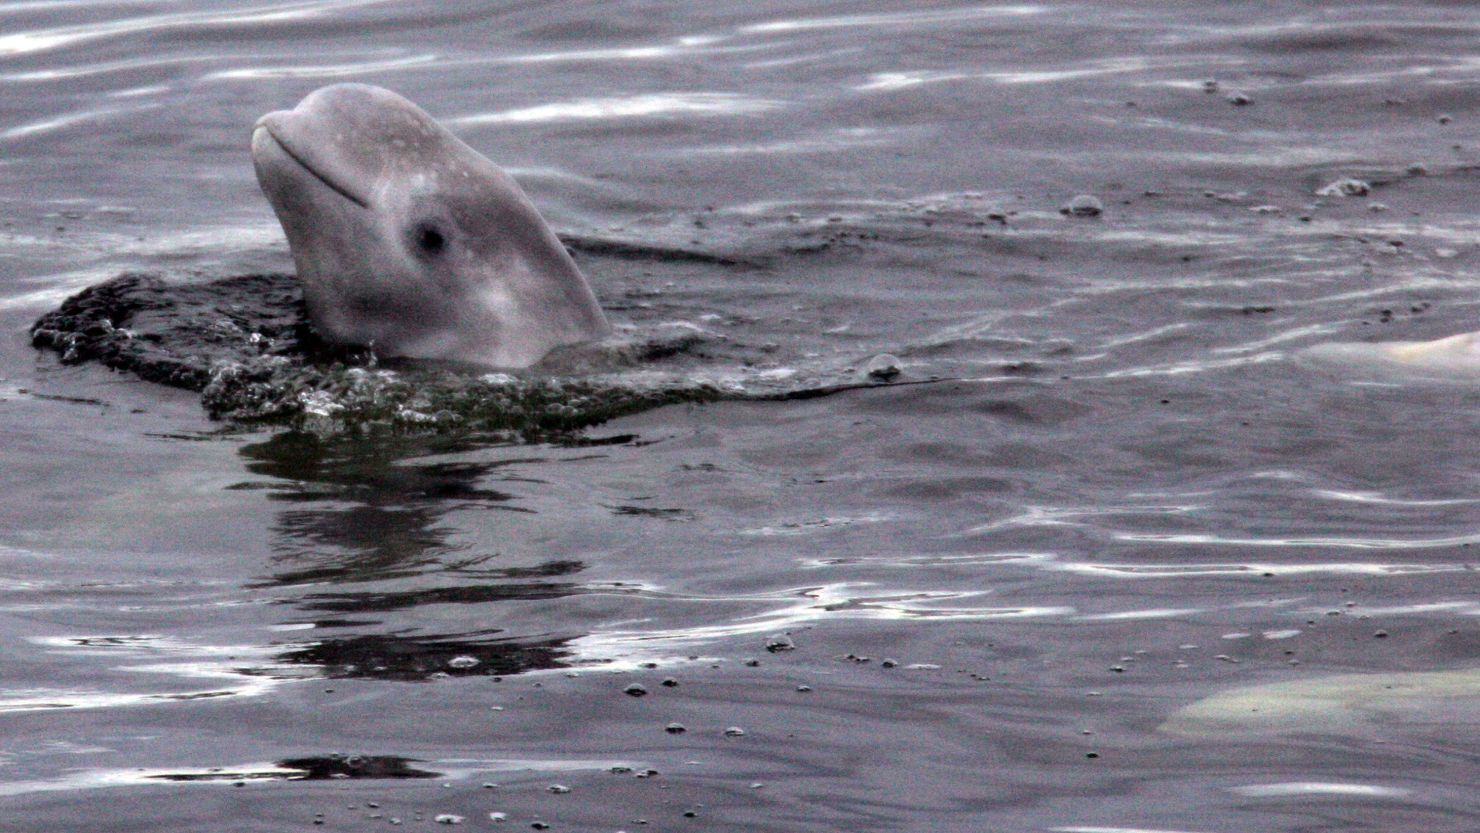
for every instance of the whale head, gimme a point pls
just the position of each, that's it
(409, 241)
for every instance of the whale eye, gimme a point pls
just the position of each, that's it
(429, 238)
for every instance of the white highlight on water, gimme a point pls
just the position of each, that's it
(652, 104)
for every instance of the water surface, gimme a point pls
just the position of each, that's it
(1132, 564)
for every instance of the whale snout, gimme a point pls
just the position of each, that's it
(265, 135)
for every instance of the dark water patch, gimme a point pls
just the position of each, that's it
(410, 659)
(320, 768)
(468, 594)
(661, 513)
(356, 766)
(245, 344)
(361, 509)
(1358, 38)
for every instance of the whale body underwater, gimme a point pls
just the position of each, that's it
(410, 242)
(1453, 358)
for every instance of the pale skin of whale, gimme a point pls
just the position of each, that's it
(409, 241)
(1456, 356)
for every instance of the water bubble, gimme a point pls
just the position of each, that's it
(734, 732)
(675, 729)
(888, 663)
(1240, 99)
(1348, 187)
(635, 690)
(780, 642)
(558, 789)
(449, 818)
(1084, 205)
(463, 661)
(497, 816)
(1210, 86)
(882, 367)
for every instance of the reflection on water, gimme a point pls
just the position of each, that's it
(368, 510)
(363, 531)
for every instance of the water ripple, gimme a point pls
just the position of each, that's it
(883, 19)
(323, 70)
(41, 40)
(650, 104)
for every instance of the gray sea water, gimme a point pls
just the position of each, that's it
(1127, 564)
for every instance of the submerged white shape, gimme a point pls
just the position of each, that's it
(1341, 704)
(1455, 357)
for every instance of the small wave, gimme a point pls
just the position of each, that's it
(42, 40)
(799, 607)
(683, 46)
(343, 70)
(69, 120)
(1251, 569)
(647, 105)
(884, 19)
(1303, 789)
(1439, 542)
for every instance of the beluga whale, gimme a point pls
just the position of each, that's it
(1451, 358)
(408, 241)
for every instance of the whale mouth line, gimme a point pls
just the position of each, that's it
(328, 183)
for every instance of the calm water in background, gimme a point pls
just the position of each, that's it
(1136, 567)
